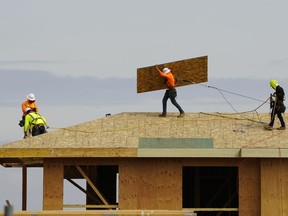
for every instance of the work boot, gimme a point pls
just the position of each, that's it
(162, 115)
(181, 115)
(268, 127)
(281, 128)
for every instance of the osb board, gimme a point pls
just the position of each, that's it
(150, 184)
(53, 184)
(249, 187)
(274, 187)
(169, 184)
(128, 184)
(118, 136)
(187, 72)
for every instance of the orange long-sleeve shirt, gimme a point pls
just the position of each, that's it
(27, 103)
(170, 80)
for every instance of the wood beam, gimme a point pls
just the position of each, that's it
(66, 152)
(92, 185)
(24, 187)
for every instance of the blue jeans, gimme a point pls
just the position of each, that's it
(172, 95)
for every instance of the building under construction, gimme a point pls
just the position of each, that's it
(139, 164)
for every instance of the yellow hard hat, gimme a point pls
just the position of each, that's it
(274, 83)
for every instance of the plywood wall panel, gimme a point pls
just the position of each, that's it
(150, 184)
(128, 180)
(274, 187)
(249, 188)
(169, 184)
(53, 184)
(147, 184)
(188, 71)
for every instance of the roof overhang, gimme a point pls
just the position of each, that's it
(10, 157)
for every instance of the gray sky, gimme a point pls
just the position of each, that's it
(113, 38)
(80, 59)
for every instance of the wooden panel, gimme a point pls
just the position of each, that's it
(150, 184)
(188, 71)
(274, 175)
(146, 184)
(210, 162)
(169, 184)
(249, 188)
(53, 185)
(128, 184)
(107, 212)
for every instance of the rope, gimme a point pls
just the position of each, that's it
(236, 111)
(219, 115)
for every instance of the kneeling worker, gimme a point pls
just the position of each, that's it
(34, 121)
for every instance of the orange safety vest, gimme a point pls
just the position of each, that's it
(170, 80)
(27, 104)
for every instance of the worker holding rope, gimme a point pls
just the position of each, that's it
(277, 105)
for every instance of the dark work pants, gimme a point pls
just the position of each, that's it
(280, 117)
(173, 101)
(37, 130)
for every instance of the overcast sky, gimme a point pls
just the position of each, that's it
(80, 58)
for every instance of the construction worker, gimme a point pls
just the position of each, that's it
(35, 122)
(277, 106)
(30, 102)
(170, 92)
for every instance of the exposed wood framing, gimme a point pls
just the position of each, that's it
(249, 188)
(24, 187)
(107, 212)
(80, 188)
(90, 206)
(53, 184)
(150, 184)
(92, 185)
(274, 187)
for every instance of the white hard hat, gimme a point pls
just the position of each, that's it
(31, 97)
(27, 109)
(166, 70)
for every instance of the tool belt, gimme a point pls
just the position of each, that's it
(172, 91)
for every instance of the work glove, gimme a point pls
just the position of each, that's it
(25, 135)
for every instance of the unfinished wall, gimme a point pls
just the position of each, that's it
(249, 187)
(53, 184)
(150, 184)
(274, 187)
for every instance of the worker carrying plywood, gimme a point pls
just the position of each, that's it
(277, 105)
(170, 92)
(29, 102)
(35, 122)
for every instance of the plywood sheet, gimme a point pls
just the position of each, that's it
(128, 181)
(274, 193)
(169, 184)
(150, 184)
(187, 72)
(53, 184)
(249, 188)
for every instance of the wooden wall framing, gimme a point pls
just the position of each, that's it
(53, 184)
(274, 187)
(156, 183)
(150, 184)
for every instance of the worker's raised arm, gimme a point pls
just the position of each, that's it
(158, 69)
